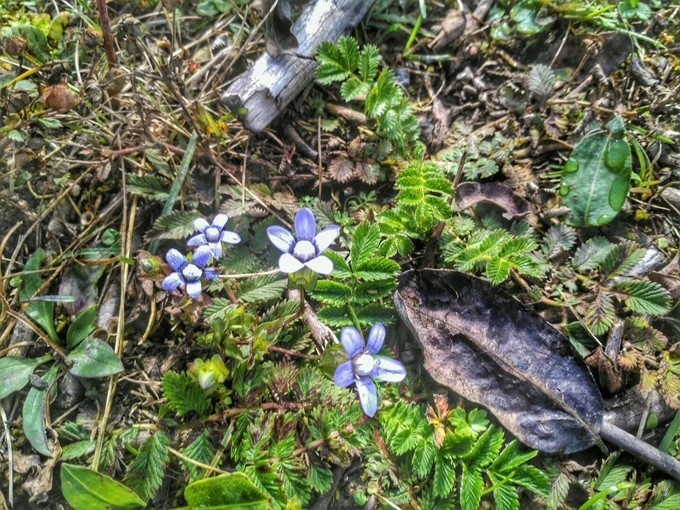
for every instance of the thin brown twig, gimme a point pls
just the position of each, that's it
(111, 57)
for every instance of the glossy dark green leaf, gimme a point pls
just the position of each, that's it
(35, 411)
(85, 489)
(16, 372)
(596, 178)
(94, 358)
(232, 491)
(492, 350)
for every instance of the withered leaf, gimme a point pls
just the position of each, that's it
(472, 193)
(492, 350)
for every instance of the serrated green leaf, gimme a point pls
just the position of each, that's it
(145, 475)
(184, 394)
(16, 372)
(376, 268)
(94, 358)
(40, 312)
(262, 289)
(85, 489)
(353, 89)
(532, 478)
(423, 458)
(373, 291)
(231, 491)
(332, 292)
(174, 225)
(341, 269)
(369, 60)
(558, 492)
(644, 296)
(77, 449)
(444, 476)
(601, 314)
(82, 326)
(372, 314)
(148, 186)
(471, 487)
(511, 457)
(591, 254)
(335, 316)
(201, 451)
(364, 244)
(505, 497)
(486, 448)
(35, 412)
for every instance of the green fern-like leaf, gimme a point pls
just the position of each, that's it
(376, 269)
(332, 293)
(601, 313)
(145, 475)
(175, 225)
(396, 234)
(558, 492)
(201, 451)
(423, 193)
(291, 472)
(148, 186)
(560, 238)
(262, 289)
(369, 61)
(486, 448)
(532, 478)
(444, 476)
(644, 296)
(184, 394)
(471, 488)
(591, 254)
(336, 62)
(372, 314)
(505, 497)
(320, 477)
(621, 258)
(541, 81)
(365, 243)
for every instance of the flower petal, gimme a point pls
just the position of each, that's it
(200, 224)
(194, 289)
(326, 237)
(352, 341)
(320, 264)
(305, 225)
(289, 264)
(176, 260)
(388, 370)
(210, 273)
(220, 221)
(216, 250)
(368, 396)
(230, 237)
(197, 240)
(172, 281)
(376, 338)
(201, 256)
(344, 376)
(281, 238)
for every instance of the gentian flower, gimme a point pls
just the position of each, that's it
(213, 235)
(307, 250)
(365, 366)
(188, 274)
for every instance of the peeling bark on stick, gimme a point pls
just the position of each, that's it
(273, 82)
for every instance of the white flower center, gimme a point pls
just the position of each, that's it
(212, 234)
(191, 273)
(304, 251)
(363, 364)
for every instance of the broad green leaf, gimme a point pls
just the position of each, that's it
(34, 413)
(85, 489)
(15, 373)
(596, 178)
(40, 312)
(526, 16)
(232, 491)
(82, 326)
(94, 358)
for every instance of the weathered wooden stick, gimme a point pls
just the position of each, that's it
(271, 83)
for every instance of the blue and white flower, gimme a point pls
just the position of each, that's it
(307, 249)
(365, 366)
(213, 235)
(188, 274)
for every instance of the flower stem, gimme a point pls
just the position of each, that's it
(355, 319)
